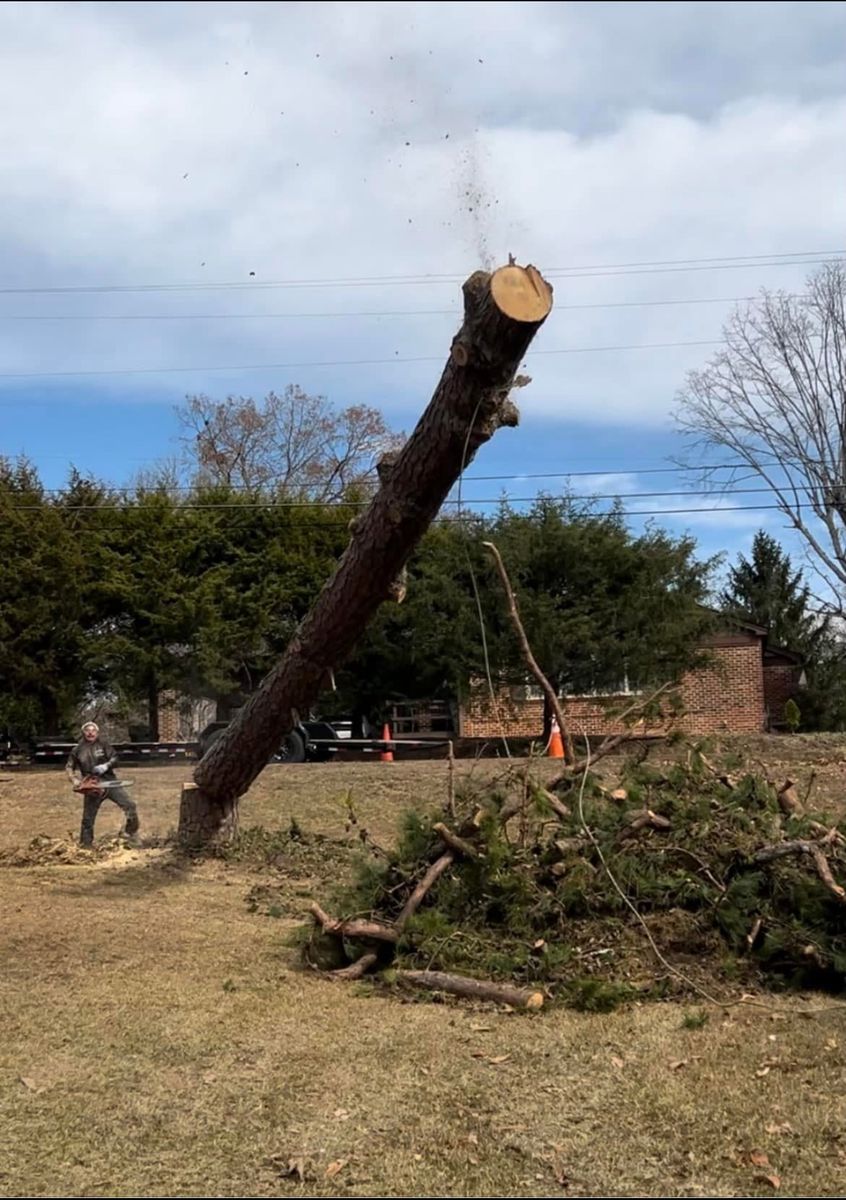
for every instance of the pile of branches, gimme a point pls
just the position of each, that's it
(499, 901)
(527, 893)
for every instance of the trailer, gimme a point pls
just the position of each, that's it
(308, 741)
(320, 741)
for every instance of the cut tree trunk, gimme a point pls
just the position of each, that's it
(473, 989)
(502, 313)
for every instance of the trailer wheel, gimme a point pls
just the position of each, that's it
(293, 749)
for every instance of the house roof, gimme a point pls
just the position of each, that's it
(770, 652)
(737, 622)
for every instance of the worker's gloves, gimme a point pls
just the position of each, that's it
(101, 768)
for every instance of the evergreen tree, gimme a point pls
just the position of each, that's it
(766, 590)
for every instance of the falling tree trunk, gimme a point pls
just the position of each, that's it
(502, 313)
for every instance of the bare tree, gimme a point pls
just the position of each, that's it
(294, 442)
(774, 399)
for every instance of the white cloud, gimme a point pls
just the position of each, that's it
(141, 142)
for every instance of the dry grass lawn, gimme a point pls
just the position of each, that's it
(159, 1039)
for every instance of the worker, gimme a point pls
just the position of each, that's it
(94, 757)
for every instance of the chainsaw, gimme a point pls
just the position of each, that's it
(92, 783)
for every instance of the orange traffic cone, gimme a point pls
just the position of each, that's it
(555, 749)
(386, 755)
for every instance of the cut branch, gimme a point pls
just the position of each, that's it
(502, 313)
(419, 894)
(456, 843)
(814, 852)
(528, 656)
(356, 970)
(352, 928)
(473, 989)
(643, 819)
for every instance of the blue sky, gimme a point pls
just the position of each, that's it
(211, 158)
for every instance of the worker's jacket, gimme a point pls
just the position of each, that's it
(85, 756)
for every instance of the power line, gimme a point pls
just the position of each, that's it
(471, 517)
(657, 266)
(322, 505)
(519, 477)
(349, 362)
(418, 312)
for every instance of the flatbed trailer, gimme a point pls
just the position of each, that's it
(312, 741)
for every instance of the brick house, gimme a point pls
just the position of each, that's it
(742, 689)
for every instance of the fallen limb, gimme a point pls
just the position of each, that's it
(828, 836)
(788, 799)
(418, 895)
(356, 970)
(824, 872)
(473, 989)
(555, 803)
(528, 656)
(454, 842)
(643, 819)
(354, 927)
(814, 852)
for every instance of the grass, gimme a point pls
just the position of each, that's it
(159, 1039)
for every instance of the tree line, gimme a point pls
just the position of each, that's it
(127, 594)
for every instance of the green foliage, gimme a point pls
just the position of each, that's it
(695, 1019)
(596, 995)
(792, 716)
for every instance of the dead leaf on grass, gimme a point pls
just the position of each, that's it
(31, 1084)
(679, 1063)
(496, 1059)
(762, 1071)
(335, 1167)
(617, 1062)
(773, 1180)
(341, 1114)
(779, 1128)
(290, 1168)
(758, 1158)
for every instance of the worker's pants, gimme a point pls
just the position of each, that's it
(91, 806)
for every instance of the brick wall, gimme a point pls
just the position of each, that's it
(181, 718)
(725, 697)
(169, 718)
(781, 683)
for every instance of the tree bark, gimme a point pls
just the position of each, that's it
(502, 313)
(474, 989)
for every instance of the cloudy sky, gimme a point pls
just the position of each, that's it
(227, 197)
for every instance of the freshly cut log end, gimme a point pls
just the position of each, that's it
(521, 293)
(471, 989)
